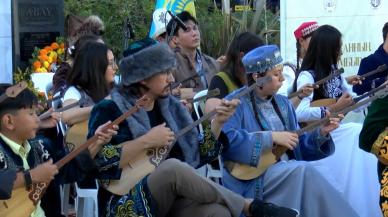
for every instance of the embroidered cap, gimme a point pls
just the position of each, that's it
(138, 46)
(145, 63)
(160, 18)
(305, 29)
(262, 59)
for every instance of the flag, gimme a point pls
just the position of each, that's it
(159, 18)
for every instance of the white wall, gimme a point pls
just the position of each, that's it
(5, 42)
(359, 22)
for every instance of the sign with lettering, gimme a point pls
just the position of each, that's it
(36, 24)
(359, 21)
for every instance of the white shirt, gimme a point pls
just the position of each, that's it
(288, 83)
(72, 93)
(306, 113)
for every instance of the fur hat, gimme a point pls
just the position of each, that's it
(262, 59)
(146, 63)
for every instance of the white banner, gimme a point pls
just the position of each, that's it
(5, 42)
(359, 21)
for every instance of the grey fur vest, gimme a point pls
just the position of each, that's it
(176, 116)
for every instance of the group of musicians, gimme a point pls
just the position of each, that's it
(140, 137)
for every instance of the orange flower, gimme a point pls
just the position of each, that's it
(43, 58)
(37, 64)
(62, 45)
(42, 52)
(54, 45)
(48, 48)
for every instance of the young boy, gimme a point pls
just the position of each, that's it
(21, 163)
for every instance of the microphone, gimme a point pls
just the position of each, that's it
(129, 29)
(178, 20)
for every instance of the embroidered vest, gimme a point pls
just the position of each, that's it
(228, 82)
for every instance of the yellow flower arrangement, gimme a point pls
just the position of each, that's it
(25, 75)
(48, 58)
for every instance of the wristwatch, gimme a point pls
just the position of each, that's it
(27, 179)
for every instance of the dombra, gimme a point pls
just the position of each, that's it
(147, 161)
(23, 202)
(270, 157)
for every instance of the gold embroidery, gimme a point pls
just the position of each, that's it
(380, 147)
(209, 141)
(384, 192)
(109, 152)
(126, 210)
(384, 208)
(384, 180)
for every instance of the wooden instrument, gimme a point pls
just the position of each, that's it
(18, 205)
(176, 84)
(189, 95)
(48, 114)
(13, 91)
(23, 202)
(48, 103)
(323, 102)
(146, 162)
(367, 94)
(320, 82)
(76, 134)
(210, 94)
(331, 101)
(377, 70)
(268, 158)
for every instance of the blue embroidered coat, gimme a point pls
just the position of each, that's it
(138, 202)
(247, 140)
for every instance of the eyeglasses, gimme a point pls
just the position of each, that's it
(112, 64)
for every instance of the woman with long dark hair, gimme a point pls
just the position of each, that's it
(353, 176)
(90, 80)
(291, 69)
(232, 75)
(59, 79)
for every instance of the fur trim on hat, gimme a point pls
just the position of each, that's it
(146, 63)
